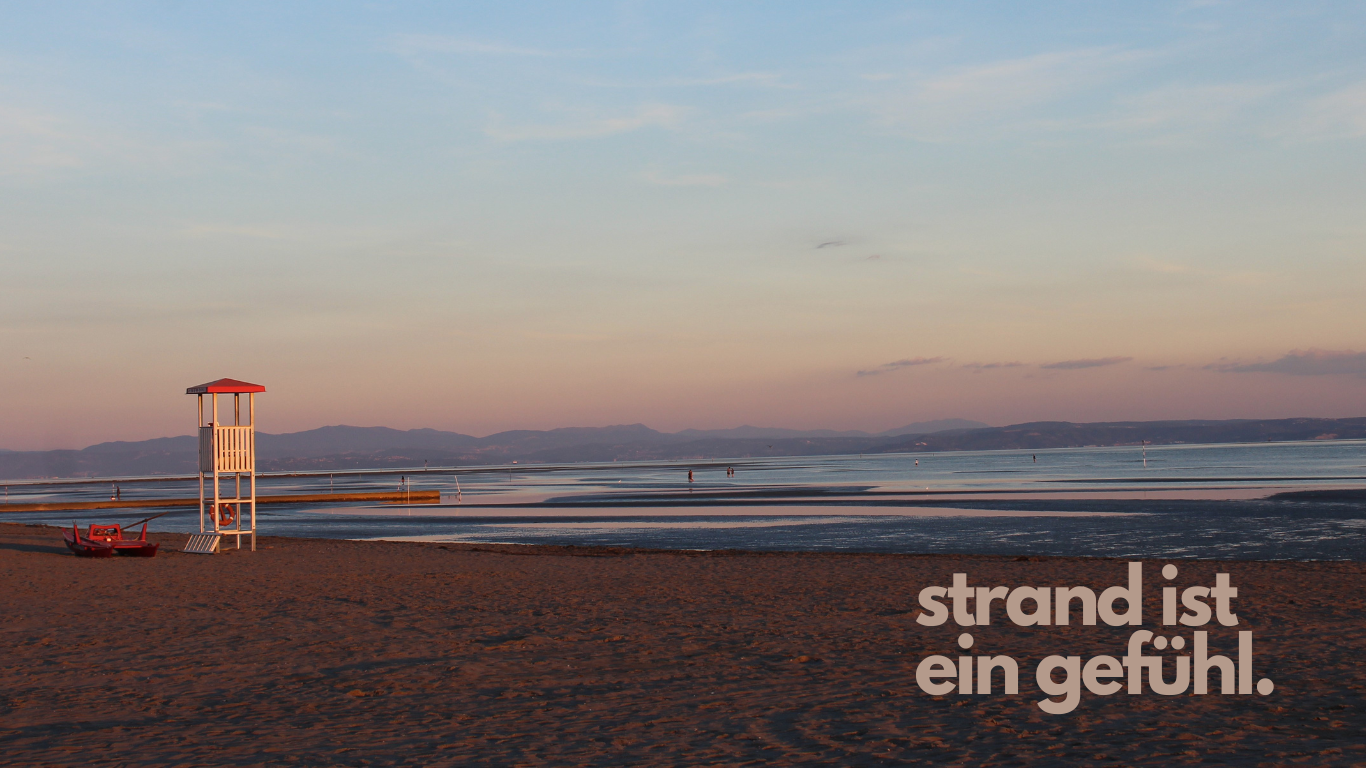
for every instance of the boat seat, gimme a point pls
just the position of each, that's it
(105, 533)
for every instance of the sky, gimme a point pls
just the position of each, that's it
(489, 216)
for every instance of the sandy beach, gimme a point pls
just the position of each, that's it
(327, 652)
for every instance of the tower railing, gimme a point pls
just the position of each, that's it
(227, 448)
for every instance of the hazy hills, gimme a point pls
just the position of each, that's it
(761, 433)
(343, 447)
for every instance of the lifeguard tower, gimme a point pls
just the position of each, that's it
(226, 453)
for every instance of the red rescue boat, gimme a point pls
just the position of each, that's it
(107, 541)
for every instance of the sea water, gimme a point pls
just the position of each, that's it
(1225, 501)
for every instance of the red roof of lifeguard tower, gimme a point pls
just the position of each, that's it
(224, 387)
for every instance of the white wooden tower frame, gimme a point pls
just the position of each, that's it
(227, 452)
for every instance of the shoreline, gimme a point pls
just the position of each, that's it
(177, 539)
(518, 549)
(1312, 528)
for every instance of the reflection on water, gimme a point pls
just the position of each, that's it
(790, 516)
(1189, 501)
(712, 511)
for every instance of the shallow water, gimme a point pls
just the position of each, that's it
(1187, 501)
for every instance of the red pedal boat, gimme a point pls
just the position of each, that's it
(107, 541)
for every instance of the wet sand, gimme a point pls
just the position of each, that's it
(326, 652)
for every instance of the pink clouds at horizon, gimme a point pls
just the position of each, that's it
(814, 399)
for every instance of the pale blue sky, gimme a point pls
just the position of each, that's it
(692, 215)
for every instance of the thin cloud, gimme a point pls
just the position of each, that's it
(755, 79)
(656, 115)
(765, 79)
(36, 142)
(1182, 113)
(1095, 362)
(1192, 275)
(1309, 362)
(31, 139)
(898, 364)
(1338, 115)
(999, 95)
(295, 140)
(990, 366)
(1163, 267)
(408, 44)
(686, 180)
(255, 233)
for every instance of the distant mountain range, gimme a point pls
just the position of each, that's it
(764, 433)
(343, 447)
(346, 448)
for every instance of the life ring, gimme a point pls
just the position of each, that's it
(227, 515)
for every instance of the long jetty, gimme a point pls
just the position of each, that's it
(403, 497)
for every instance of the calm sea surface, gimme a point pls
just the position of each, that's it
(1253, 501)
